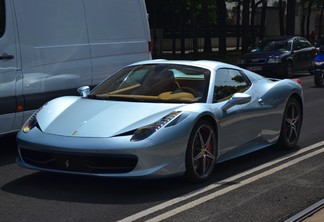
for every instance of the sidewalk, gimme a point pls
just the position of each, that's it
(316, 217)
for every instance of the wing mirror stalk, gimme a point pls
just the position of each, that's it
(84, 91)
(237, 99)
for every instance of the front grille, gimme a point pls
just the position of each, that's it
(256, 61)
(92, 163)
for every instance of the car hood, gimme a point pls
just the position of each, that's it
(79, 117)
(268, 54)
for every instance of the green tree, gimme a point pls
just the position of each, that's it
(291, 14)
(309, 11)
(254, 6)
(281, 17)
(238, 26)
(206, 25)
(303, 17)
(245, 26)
(263, 18)
(222, 29)
(320, 6)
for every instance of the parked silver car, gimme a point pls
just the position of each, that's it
(162, 118)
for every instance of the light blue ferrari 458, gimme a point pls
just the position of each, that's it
(162, 118)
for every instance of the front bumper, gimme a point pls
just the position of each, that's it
(110, 157)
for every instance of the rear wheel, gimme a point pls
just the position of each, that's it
(291, 124)
(201, 152)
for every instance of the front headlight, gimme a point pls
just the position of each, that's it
(146, 131)
(274, 60)
(30, 123)
(318, 63)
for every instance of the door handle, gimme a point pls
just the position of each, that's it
(5, 56)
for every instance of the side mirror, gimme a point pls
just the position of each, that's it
(84, 91)
(237, 99)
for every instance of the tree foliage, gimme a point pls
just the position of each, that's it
(202, 20)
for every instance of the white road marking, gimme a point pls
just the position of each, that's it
(225, 190)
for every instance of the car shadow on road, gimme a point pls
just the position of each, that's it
(86, 189)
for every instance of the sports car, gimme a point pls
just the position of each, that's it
(162, 118)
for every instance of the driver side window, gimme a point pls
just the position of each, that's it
(297, 44)
(228, 82)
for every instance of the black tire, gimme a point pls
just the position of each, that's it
(201, 152)
(289, 69)
(291, 124)
(318, 79)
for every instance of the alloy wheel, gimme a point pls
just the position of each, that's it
(291, 124)
(289, 69)
(201, 152)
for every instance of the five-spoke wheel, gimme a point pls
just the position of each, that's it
(289, 69)
(201, 152)
(291, 125)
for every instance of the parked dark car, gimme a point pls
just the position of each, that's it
(280, 57)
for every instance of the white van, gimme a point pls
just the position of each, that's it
(48, 48)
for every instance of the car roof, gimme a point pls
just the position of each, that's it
(199, 63)
(207, 64)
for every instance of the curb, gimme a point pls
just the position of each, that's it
(307, 212)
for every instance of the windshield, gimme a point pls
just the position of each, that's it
(274, 45)
(156, 83)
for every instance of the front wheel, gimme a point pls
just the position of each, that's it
(291, 124)
(289, 69)
(201, 152)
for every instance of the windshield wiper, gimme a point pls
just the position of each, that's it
(115, 98)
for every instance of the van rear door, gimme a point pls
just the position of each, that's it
(8, 69)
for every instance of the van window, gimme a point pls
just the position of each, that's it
(2, 18)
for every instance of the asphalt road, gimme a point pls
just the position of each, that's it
(269, 185)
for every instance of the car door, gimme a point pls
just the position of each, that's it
(240, 126)
(298, 54)
(309, 53)
(8, 69)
